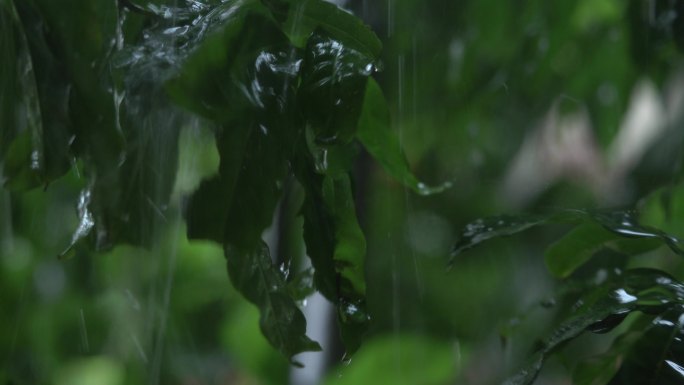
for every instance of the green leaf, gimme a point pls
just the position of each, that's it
(603, 308)
(331, 93)
(53, 93)
(337, 247)
(244, 77)
(215, 80)
(348, 258)
(620, 223)
(578, 246)
(21, 131)
(257, 136)
(599, 370)
(658, 356)
(305, 16)
(302, 285)
(255, 276)
(375, 134)
(484, 229)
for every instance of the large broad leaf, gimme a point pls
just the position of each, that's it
(375, 134)
(618, 230)
(603, 308)
(244, 77)
(249, 71)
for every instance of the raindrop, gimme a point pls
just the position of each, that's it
(624, 297)
(677, 368)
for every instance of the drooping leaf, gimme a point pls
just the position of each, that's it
(604, 308)
(255, 276)
(244, 78)
(53, 94)
(375, 134)
(247, 70)
(337, 247)
(21, 131)
(348, 258)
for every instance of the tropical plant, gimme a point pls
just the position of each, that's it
(281, 101)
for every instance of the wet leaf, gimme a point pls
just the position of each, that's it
(658, 356)
(53, 94)
(618, 230)
(253, 140)
(576, 248)
(302, 285)
(485, 229)
(303, 17)
(21, 131)
(603, 308)
(337, 247)
(253, 99)
(599, 370)
(215, 80)
(375, 134)
(255, 276)
(348, 257)
(331, 93)
(580, 244)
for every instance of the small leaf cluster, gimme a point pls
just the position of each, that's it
(649, 346)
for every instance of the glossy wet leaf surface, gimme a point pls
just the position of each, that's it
(619, 230)
(104, 88)
(604, 308)
(657, 357)
(255, 276)
(333, 83)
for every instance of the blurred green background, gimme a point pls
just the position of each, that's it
(523, 106)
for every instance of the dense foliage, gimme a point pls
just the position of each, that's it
(220, 121)
(285, 87)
